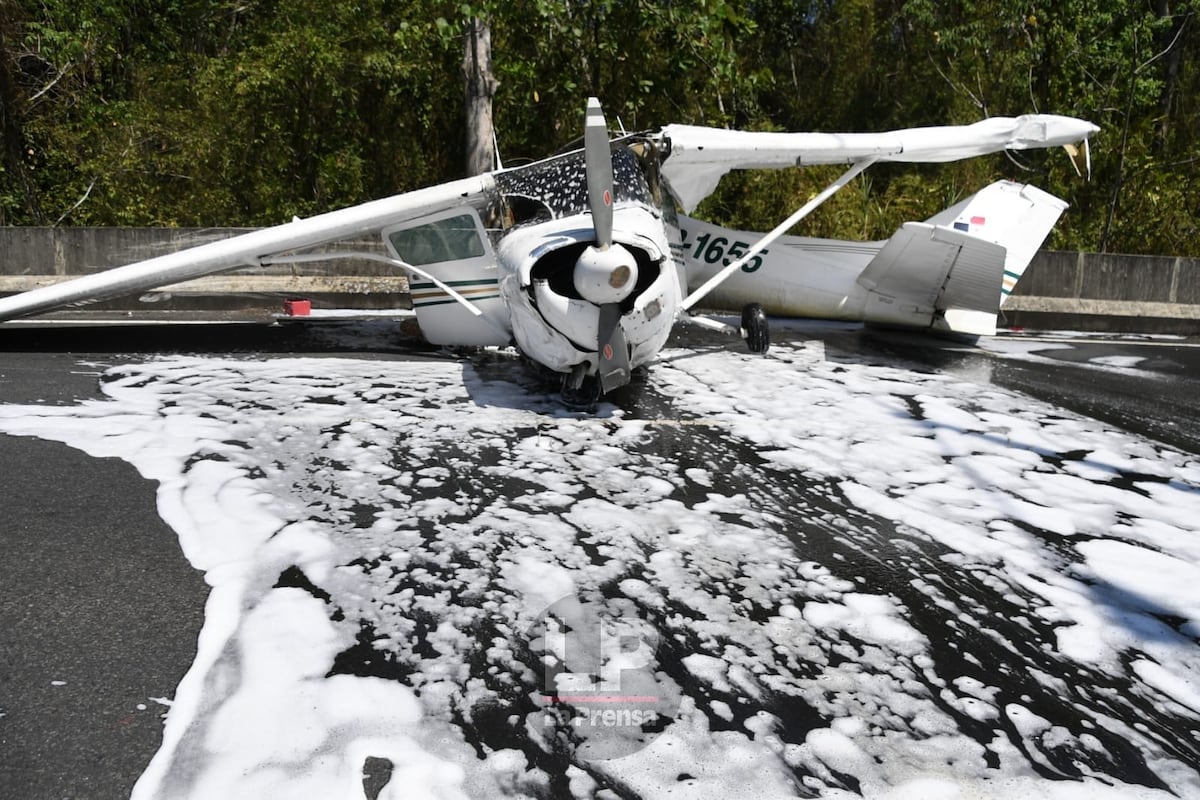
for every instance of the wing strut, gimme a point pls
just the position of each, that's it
(301, 258)
(779, 230)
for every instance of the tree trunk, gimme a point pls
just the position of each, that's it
(481, 90)
(1171, 41)
(11, 125)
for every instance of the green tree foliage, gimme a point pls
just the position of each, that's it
(1124, 66)
(205, 112)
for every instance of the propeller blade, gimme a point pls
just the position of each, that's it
(598, 157)
(613, 349)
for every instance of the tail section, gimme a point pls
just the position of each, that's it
(956, 269)
(1015, 216)
(951, 272)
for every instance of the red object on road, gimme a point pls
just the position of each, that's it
(297, 308)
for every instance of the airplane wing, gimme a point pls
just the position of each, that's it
(251, 249)
(700, 157)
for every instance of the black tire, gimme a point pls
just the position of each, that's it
(755, 328)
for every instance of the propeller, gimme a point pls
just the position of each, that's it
(606, 272)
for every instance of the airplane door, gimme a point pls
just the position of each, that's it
(453, 246)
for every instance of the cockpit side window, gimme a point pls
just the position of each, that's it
(450, 239)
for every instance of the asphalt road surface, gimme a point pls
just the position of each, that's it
(100, 610)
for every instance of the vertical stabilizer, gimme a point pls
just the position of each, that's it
(1015, 216)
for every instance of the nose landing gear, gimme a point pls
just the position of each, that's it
(581, 390)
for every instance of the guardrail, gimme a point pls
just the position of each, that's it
(1107, 291)
(1085, 291)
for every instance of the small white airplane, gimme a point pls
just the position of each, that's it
(585, 261)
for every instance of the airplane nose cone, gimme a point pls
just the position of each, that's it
(605, 275)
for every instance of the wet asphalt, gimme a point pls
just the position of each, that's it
(99, 610)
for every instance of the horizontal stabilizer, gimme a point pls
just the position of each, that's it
(927, 268)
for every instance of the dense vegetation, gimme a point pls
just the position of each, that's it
(207, 112)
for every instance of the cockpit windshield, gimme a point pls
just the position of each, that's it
(557, 187)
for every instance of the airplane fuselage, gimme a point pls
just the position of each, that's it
(528, 239)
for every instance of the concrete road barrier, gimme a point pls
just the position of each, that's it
(1075, 290)
(1108, 291)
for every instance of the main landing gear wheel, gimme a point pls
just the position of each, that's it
(755, 329)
